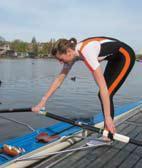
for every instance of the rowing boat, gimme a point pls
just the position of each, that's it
(71, 134)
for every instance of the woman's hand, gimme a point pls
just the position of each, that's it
(38, 107)
(109, 125)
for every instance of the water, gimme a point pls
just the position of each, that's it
(25, 81)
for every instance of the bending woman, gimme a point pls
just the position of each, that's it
(120, 59)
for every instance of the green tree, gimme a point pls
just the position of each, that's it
(19, 46)
(34, 47)
(50, 45)
(46, 48)
(33, 40)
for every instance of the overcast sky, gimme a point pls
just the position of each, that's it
(46, 19)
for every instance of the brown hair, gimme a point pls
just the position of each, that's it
(62, 45)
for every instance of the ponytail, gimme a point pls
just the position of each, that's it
(73, 41)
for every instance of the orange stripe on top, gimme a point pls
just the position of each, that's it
(90, 40)
(123, 72)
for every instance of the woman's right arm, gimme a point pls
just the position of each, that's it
(55, 85)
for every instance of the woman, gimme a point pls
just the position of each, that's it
(120, 60)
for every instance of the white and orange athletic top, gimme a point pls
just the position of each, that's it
(90, 50)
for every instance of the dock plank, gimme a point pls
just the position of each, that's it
(118, 155)
(138, 164)
(130, 161)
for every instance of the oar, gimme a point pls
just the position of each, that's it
(116, 136)
(12, 110)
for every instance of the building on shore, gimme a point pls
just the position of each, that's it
(4, 48)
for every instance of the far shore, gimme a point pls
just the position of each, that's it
(138, 57)
(6, 57)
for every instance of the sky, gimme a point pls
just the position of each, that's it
(46, 19)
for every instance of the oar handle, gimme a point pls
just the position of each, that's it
(122, 138)
(12, 110)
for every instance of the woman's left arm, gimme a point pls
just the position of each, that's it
(100, 80)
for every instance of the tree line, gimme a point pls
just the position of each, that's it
(36, 49)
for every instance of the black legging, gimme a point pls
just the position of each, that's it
(117, 69)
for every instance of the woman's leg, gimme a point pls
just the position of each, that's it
(116, 72)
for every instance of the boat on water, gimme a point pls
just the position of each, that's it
(68, 134)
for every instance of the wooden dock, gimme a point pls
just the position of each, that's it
(118, 155)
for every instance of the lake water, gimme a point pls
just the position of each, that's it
(25, 81)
